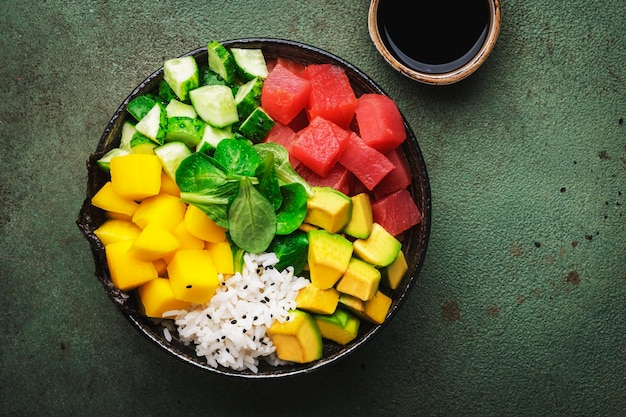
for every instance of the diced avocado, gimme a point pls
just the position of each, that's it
(341, 326)
(329, 209)
(104, 162)
(185, 129)
(360, 223)
(361, 280)
(376, 308)
(329, 257)
(177, 108)
(317, 300)
(353, 304)
(393, 274)
(182, 75)
(380, 249)
(297, 339)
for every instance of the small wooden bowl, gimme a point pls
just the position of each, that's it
(414, 244)
(432, 78)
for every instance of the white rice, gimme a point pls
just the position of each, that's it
(230, 330)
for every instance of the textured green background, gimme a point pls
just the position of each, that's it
(521, 305)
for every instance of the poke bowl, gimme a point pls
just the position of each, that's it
(166, 332)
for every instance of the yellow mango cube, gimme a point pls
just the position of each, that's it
(154, 242)
(157, 297)
(187, 240)
(163, 209)
(201, 226)
(361, 280)
(114, 230)
(127, 271)
(107, 199)
(168, 185)
(118, 216)
(136, 176)
(222, 255)
(193, 276)
(317, 300)
(161, 267)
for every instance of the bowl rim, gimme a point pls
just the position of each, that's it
(87, 223)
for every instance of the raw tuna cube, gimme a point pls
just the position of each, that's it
(338, 178)
(396, 212)
(365, 162)
(284, 94)
(398, 178)
(332, 96)
(380, 123)
(319, 145)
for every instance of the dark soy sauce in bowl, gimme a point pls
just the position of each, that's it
(434, 36)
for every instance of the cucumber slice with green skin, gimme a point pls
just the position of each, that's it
(212, 136)
(208, 77)
(165, 92)
(104, 162)
(257, 125)
(248, 97)
(154, 124)
(177, 108)
(140, 106)
(182, 75)
(215, 104)
(128, 131)
(171, 155)
(187, 130)
(221, 61)
(142, 144)
(250, 63)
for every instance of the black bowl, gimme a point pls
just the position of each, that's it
(415, 240)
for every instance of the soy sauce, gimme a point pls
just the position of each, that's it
(433, 36)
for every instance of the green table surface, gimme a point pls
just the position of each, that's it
(520, 308)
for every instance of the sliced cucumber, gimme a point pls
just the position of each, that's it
(212, 136)
(257, 125)
(140, 106)
(166, 93)
(221, 61)
(142, 144)
(154, 124)
(104, 162)
(215, 104)
(208, 77)
(182, 75)
(128, 131)
(177, 108)
(187, 130)
(171, 154)
(248, 97)
(250, 63)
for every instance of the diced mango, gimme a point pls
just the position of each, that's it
(163, 209)
(136, 176)
(168, 185)
(127, 271)
(341, 326)
(113, 230)
(377, 307)
(329, 209)
(107, 199)
(157, 297)
(118, 216)
(393, 274)
(317, 300)
(361, 219)
(201, 226)
(154, 242)
(222, 255)
(328, 257)
(361, 280)
(193, 276)
(187, 240)
(161, 267)
(298, 339)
